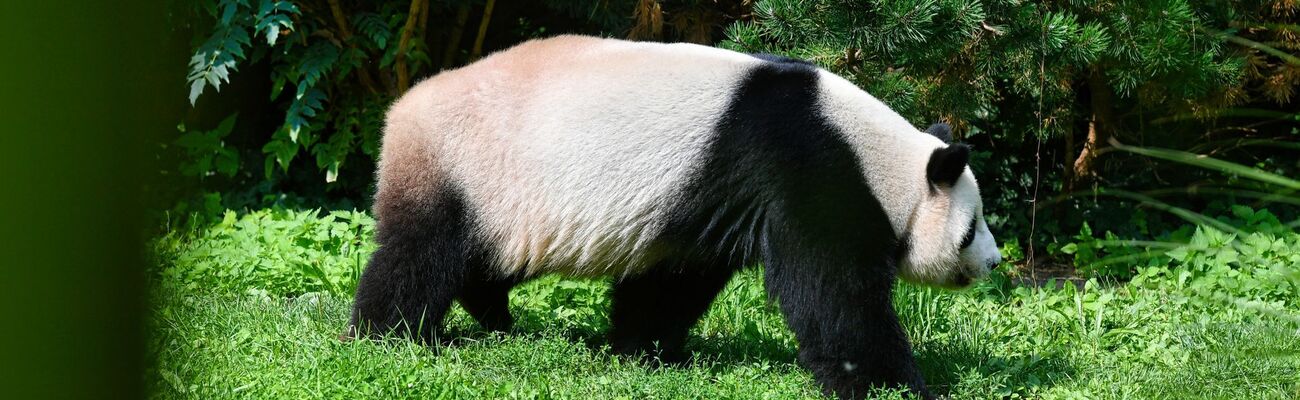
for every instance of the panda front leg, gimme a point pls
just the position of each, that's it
(418, 269)
(653, 312)
(849, 335)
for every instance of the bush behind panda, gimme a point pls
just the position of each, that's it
(668, 167)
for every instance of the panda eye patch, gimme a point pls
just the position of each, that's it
(970, 234)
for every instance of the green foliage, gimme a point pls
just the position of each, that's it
(1245, 255)
(325, 114)
(332, 73)
(271, 251)
(1260, 262)
(1012, 252)
(218, 56)
(206, 152)
(1084, 249)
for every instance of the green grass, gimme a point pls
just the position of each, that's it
(278, 339)
(217, 347)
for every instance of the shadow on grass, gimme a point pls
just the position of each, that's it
(943, 365)
(716, 353)
(947, 363)
(722, 352)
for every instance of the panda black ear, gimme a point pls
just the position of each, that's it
(940, 130)
(947, 164)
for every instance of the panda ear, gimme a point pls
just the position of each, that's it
(947, 164)
(940, 130)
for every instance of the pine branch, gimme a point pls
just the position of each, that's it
(424, 19)
(1289, 59)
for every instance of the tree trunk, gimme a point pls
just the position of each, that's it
(1100, 127)
(403, 46)
(477, 50)
(345, 34)
(453, 40)
(1068, 171)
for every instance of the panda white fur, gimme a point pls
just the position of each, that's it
(668, 167)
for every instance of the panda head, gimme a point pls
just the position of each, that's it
(948, 242)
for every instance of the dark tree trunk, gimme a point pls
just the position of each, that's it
(1100, 127)
(453, 40)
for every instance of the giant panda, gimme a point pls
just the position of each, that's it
(668, 167)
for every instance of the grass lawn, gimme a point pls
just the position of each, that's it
(279, 339)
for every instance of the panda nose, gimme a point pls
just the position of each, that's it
(994, 265)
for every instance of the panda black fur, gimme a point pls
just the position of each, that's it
(668, 167)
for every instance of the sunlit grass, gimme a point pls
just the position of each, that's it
(992, 341)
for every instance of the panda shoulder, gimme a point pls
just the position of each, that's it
(784, 72)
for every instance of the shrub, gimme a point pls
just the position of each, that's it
(278, 252)
(1258, 260)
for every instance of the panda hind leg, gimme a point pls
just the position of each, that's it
(487, 298)
(653, 312)
(419, 268)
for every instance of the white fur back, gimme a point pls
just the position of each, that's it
(573, 149)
